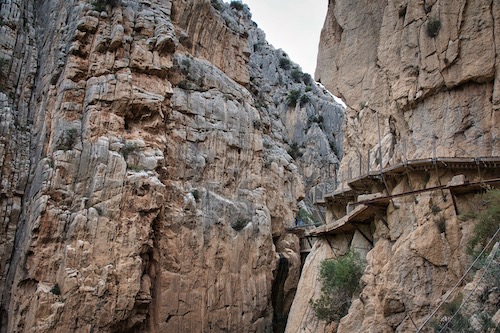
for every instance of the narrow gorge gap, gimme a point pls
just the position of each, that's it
(278, 295)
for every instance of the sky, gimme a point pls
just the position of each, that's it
(292, 25)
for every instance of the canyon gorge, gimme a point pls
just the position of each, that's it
(159, 157)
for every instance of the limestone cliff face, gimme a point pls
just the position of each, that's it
(426, 75)
(429, 91)
(146, 183)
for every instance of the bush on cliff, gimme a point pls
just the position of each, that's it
(293, 97)
(285, 63)
(433, 27)
(340, 280)
(486, 211)
(68, 139)
(294, 150)
(297, 75)
(4, 64)
(238, 5)
(100, 5)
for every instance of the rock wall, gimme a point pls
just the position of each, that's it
(147, 180)
(18, 68)
(423, 74)
(433, 91)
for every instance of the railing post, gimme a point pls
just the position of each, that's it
(342, 181)
(368, 163)
(335, 177)
(360, 165)
(434, 137)
(349, 171)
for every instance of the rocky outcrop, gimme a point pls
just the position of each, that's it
(420, 79)
(147, 176)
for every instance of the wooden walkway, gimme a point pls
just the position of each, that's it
(331, 191)
(365, 210)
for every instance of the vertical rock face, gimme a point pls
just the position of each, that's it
(427, 68)
(146, 172)
(423, 74)
(18, 66)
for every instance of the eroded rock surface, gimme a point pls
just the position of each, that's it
(435, 90)
(147, 181)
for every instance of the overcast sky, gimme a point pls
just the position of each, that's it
(292, 25)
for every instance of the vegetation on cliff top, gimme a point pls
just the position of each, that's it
(100, 5)
(238, 5)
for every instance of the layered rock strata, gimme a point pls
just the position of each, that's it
(147, 180)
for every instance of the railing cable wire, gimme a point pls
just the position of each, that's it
(458, 283)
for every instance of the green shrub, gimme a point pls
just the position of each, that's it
(343, 272)
(308, 88)
(306, 218)
(238, 5)
(487, 324)
(317, 119)
(331, 307)
(307, 79)
(294, 150)
(101, 5)
(239, 224)
(196, 194)
(303, 214)
(458, 324)
(441, 224)
(304, 99)
(293, 97)
(461, 323)
(297, 75)
(134, 167)
(128, 149)
(487, 213)
(493, 273)
(435, 209)
(433, 27)
(187, 85)
(285, 63)
(68, 140)
(340, 280)
(216, 4)
(56, 290)
(4, 64)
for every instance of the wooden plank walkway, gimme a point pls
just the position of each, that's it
(365, 210)
(345, 193)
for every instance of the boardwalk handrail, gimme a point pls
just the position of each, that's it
(412, 165)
